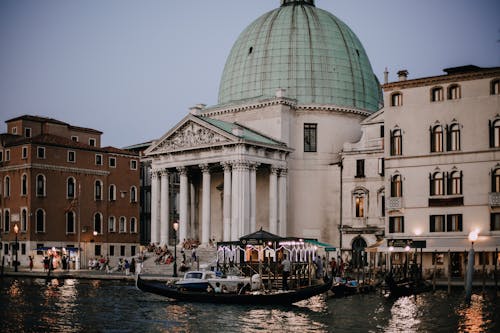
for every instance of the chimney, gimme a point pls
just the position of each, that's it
(402, 75)
(386, 76)
(195, 110)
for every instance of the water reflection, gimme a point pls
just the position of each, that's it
(472, 316)
(404, 315)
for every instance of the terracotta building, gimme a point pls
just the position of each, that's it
(62, 191)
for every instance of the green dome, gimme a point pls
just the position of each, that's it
(305, 50)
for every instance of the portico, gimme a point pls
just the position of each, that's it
(232, 181)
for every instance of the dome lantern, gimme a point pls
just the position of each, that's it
(297, 2)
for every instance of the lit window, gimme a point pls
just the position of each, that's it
(396, 186)
(495, 133)
(454, 137)
(360, 202)
(112, 224)
(98, 223)
(71, 156)
(396, 143)
(454, 92)
(454, 223)
(310, 137)
(40, 220)
(437, 139)
(437, 223)
(112, 162)
(495, 180)
(70, 222)
(437, 94)
(397, 99)
(396, 224)
(437, 184)
(40, 152)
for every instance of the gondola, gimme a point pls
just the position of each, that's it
(405, 287)
(255, 298)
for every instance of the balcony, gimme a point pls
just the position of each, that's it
(446, 201)
(494, 199)
(394, 203)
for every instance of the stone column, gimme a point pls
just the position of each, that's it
(164, 208)
(235, 208)
(155, 198)
(192, 229)
(273, 201)
(244, 199)
(205, 224)
(253, 196)
(183, 204)
(227, 202)
(282, 206)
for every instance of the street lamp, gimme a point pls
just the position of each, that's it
(16, 231)
(176, 227)
(470, 266)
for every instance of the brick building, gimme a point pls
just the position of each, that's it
(65, 192)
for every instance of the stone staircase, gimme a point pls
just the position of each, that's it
(207, 256)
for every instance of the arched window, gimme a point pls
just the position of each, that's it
(98, 190)
(437, 183)
(112, 224)
(70, 222)
(112, 192)
(453, 137)
(133, 225)
(396, 186)
(495, 180)
(396, 142)
(437, 94)
(24, 184)
(358, 252)
(494, 133)
(359, 200)
(133, 194)
(24, 220)
(495, 87)
(98, 223)
(455, 183)
(40, 185)
(397, 99)
(436, 139)
(123, 224)
(40, 220)
(454, 92)
(6, 189)
(70, 188)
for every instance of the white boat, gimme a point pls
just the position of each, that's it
(201, 280)
(196, 280)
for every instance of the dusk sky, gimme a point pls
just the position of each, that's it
(133, 68)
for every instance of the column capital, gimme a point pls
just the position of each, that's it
(182, 170)
(205, 168)
(226, 165)
(241, 165)
(283, 172)
(274, 170)
(253, 166)
(164, 172)
(155, 173)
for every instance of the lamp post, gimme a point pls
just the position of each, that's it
(176, 227)
(470, 266)
(16, 231)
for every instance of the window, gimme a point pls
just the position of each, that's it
(70, 222)
(24, 220)
(40, 152)
(133, 194)
(112, 192)
(71, 156)
(396, 143)
(6, 226)
(123, 224)
(437, 223)
(455, 183)
(92, 142)
(310, 137)
(360, 168)
(437, 183)
(382, 134)
(396, 224)
(98, 223)
(40, 185)
(495, 221)
(133, 225)
(98, 190)
(396, 186)
(112, 162)
(1, 155)
(132, 250)
(70, 188)
(112, 224)
(453, 137)
(436, 139)
(14, 130)
(437, 94)
(133, 165)
(7, 154)
(27, 132)
(24, 153)
(74, 138)
(6, 184)
(397, 99)
(381, 166)
(454, 223)
(98, 159)
(24, 185)
(40, 220)
(360, 203)
(495, 180)
(122, 250)
(454, 92)
(494, 133)
(97, 250)
(111, 250)
(495, 87)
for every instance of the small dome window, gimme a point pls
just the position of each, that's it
(250, 50)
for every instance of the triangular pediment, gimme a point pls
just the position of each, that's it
(190, 133)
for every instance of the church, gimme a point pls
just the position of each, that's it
(296, 86)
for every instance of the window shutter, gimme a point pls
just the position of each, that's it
(448, 138)
(431, 132)
(448, 223)
(492, 221)
(432, 222)
(461, 182)
(447, 179)
(391, 148)
(431, 185)
(460, 222)
(492, 179)
(492, 133)
(402, 224)
(391, 225)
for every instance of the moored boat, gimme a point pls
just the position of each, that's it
(195, 280)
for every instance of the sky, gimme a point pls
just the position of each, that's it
(133, 68)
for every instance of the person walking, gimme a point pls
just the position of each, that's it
(127, 267)
(286, 271)
(31, 263)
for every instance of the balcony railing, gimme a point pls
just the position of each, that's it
(494, 199)
(394, 203)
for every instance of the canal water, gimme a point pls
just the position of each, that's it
(30, 305)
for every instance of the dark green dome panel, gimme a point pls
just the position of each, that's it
(305, 50)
